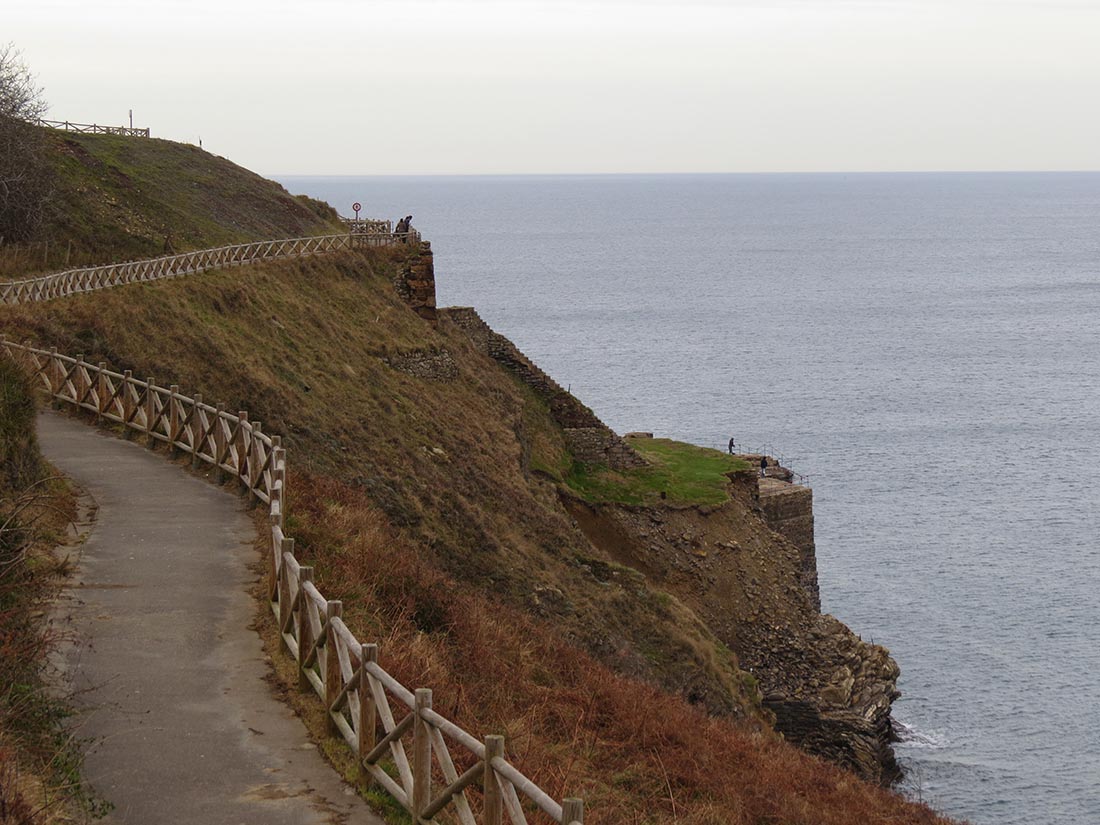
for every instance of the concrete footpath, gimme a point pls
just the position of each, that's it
(170, 681)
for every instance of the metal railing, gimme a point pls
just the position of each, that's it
(771, 453)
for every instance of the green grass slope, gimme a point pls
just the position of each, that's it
(118, 198)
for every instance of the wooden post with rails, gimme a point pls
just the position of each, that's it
(254, 464)
(242, 452)
(332, 664)
(80, 380)
(422, 754)
(173, 421)
(101, 392)
(368, 713)
(198, 434)
(150, 414)
(494, 799)
(55, 372)
(128, 407)
(572, 811)
(305, 631)
(219, 444)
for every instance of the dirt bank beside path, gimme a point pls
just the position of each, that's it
(170, 680)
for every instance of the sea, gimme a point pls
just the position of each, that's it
(925, 348)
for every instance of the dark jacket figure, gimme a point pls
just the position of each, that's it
(763, 466)
(731, 446)
(403, 227)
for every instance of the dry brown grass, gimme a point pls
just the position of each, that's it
(302, 346)
(39, 777)
(636, 754)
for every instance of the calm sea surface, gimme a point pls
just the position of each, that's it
(925, 347)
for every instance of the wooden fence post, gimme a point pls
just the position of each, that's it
(80, 380)
(305, 632)
(56, 376)
(572, 811)
(422, 754)
(254, 464)
(219, 445)
(127, 404)
(242, 453)
(101, 393)
(54, 373)
(173, 421)
(278, 476)
(198, 434)
(286, 601)
(494, 799)
(275, 563)
(150, 413)
(368, 713)
(332, 664)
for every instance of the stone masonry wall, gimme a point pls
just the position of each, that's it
(415, 283)
(789, 510)
(589, 439)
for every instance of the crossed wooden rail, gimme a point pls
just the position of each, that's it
(87, 279)
(359, 694)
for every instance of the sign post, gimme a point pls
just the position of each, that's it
(357, 206)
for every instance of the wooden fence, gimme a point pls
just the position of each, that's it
(88, 279)
(93, 128)
(346, 674)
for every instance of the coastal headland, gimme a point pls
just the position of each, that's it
(641, 617)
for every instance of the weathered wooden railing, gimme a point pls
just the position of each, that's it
(346, 675)
(60, 284)
(88, 279)
(93, 128)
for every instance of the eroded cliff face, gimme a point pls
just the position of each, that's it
(746, 571)
(830, 691)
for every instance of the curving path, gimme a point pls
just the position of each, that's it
(171, 681)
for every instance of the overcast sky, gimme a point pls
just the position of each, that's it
(477, 86)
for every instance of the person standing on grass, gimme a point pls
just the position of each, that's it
(763, 466)
(731, 445)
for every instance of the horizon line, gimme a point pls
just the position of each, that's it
(681, 174)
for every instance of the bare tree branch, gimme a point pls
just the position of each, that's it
(25, 179)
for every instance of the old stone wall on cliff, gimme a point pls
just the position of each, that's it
(588, 438)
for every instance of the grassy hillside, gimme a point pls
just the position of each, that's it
(308, 348)
(414, 499)
(118, 198)
(439, 502)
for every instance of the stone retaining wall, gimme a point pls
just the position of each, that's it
(415, 283)
(789, 510)
(589, 439)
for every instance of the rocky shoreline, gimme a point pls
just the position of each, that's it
(828, 691)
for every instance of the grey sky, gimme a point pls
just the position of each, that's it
(477, 86)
